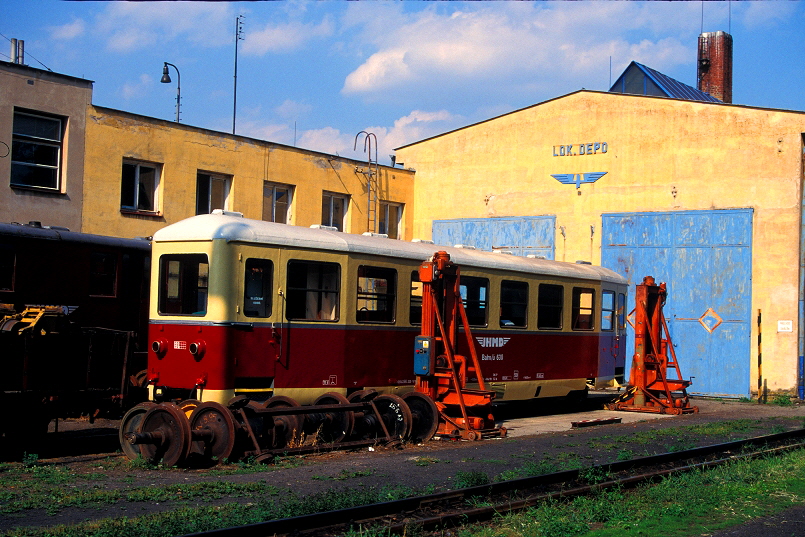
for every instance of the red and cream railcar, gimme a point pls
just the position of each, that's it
(244, 307)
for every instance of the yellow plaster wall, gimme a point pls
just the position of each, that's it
(183, 151)
(662, 155)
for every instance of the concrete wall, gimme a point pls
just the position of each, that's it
(51, 94)
(661, 155)
(183, 151)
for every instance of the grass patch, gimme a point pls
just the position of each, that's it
(696, 503)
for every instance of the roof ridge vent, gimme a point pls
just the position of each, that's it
(499, 251)
(371, 234)
(221, 212)
(325, 228)
(465, 247)
(423, 241)
(583, 262)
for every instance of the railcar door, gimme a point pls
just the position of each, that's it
(255, 339)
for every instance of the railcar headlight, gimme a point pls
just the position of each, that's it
(160, 347)
(197, 349)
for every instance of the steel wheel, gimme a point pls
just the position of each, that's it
(212, 429)
(287, 429)
(188, 406)
(395, 414)
(360, 396)
(131, 424)
(425, 416)
(334, 426)
(171, 433)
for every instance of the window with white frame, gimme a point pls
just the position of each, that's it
(139, 187)
(389, 219)
(277, 202)
(334, 210)
(36, 145)
(212, 192)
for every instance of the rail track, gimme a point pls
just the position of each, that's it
(454, 508)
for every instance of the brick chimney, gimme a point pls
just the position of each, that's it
(715, 65)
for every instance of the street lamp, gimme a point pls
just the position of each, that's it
(166, 79)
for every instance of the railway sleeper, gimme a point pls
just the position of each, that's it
(194, 433)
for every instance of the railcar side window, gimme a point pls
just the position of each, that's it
(550, 304)
(183, 283)
(257, 287)
(313, 290)
(608, 311)
(377, 289)
(621, 312)
(7, 261)
(475, 295)
(415, 309)
(583, 307)
(103, 274)
(513, 304)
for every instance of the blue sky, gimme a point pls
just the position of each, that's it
(315, 74)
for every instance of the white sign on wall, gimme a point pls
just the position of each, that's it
(785, 326)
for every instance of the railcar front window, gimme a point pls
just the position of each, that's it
(475, 296)
(313, 291)
(415, 308)
(183, 284)
(550, 303)
(513, 304)
(257, 288)
(377, 289)
(7, 261)
(583, 306)
(103, 274)
(608, 311)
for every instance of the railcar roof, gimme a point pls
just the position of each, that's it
(60, 234)
(238, 229)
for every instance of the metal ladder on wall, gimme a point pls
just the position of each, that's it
(372, 172)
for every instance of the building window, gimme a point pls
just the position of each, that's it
(103, 274)
(257, 288)
(36, 145)
(139, 187)
(583, 306)
(183, 284)
(475, 296)
(377, 289)
(513, 304)
(389, 219)
(212, 192)
(549, 307)
(277, 202)
(334, 210)
(313, 290)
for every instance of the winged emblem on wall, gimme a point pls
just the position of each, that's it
(578, 178)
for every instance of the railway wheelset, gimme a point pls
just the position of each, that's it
(195, 433)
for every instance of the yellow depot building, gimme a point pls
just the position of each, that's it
(705, 196)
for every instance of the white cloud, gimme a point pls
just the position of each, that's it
(327, 140)
(767, 14)
(293, 109)
(136, 90)
(515, 42)
(131, 26)
(68, 31)
(285, 37)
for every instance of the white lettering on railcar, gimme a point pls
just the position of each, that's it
(492, 357)
(180, 345)
(492, 341)
(332, 381)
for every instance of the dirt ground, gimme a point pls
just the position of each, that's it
(435, 464)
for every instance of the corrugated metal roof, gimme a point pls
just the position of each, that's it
(671, 87)
(231, 228)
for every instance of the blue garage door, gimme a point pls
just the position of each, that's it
(524, 235)
(705, 257)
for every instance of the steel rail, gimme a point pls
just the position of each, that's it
(309, 524)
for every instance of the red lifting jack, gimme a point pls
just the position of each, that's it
(650, 389)
(441, 374)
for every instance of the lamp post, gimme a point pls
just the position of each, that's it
(166, 79)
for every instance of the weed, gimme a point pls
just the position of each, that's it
(782, 400)
(473, 478)
(777, 429)
(29, 460)
(425, 461)
(593, 475)
(625, 455)
(345, 474)
(745, 399)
